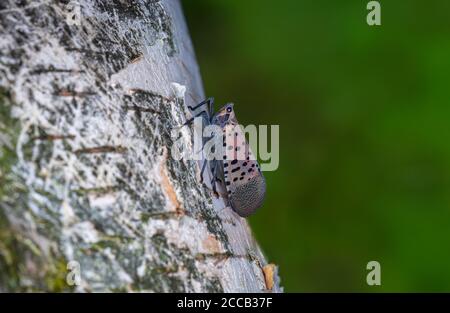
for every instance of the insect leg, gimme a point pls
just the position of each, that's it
(216, 179)
(202, 113)
(213, 174)
(209, 104)
(213, 178)
(205, 163)
(208, 112)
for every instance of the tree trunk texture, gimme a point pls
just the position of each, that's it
(88, 101)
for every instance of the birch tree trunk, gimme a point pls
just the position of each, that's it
(90, 92)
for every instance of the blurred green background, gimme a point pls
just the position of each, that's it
(364, 133)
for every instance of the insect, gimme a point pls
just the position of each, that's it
(237, 171)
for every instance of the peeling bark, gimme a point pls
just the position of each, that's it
(86, 171)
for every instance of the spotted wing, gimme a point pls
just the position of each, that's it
(244, 181)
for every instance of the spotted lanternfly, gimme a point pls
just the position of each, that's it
(238, 171)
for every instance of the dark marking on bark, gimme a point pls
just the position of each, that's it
(142, 95)
(177, 214)
(97, 190)
(141, 109)
(71, 93)
(52, 70)
(102, 149)
(52, 137)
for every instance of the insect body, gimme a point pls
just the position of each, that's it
(237, 171)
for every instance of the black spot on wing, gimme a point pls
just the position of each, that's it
(235, 169)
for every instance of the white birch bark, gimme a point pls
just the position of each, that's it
(88, 103)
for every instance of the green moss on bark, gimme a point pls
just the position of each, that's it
(22, 266)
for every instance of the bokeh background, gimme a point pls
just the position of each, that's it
(364, 117)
